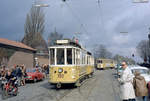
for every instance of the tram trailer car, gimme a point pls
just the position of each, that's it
(105, 63)
(69, 63)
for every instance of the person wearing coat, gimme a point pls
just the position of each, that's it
(126, 86)
(140, 86)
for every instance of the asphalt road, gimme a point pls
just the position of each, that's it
(101, 87)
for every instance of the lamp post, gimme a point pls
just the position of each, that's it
(41, 5)
(133, 54)
(36, 61)
(37, 3)
(140, 1)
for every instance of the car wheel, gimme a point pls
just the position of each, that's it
(35, 80)
(43, 78)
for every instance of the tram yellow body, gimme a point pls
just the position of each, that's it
(105, 63)
(68, 76)
(69, 63)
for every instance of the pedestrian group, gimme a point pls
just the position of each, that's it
(132, 86)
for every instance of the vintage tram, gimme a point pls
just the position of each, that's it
(105, 63)
(69, 63)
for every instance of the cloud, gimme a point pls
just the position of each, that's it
(69, 17)
(121, 39)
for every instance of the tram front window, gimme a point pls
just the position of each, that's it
(52, 57)
(60, 56)
(99, 61)
(69, 56)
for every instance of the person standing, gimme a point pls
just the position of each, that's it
(23, 68)
(140, 86)
(19, 75)
(14, 71)
(126, 86)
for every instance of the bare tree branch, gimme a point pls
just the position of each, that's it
(34, 28)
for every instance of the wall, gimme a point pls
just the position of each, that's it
(19, 58)
(42, 60)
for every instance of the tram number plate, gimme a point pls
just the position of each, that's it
(60, 75)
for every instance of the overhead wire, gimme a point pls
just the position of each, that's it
(77, 18)
(99, 2)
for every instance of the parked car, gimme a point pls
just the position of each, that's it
(143, 71)
(34, 75)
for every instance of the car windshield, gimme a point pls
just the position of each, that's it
(141, 71)
(30, 70)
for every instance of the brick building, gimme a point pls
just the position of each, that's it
(23, 54)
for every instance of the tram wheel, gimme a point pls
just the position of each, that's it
(78, 83)
(58, 85)
(90, 75)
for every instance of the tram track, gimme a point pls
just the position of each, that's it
(116, 95)
(60, 94)
(93, 83)
(90, 89)
(66, 93)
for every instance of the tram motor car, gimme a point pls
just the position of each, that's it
(69, 63)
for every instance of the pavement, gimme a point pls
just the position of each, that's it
(103, 86)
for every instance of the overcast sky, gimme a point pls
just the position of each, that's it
(97, 23)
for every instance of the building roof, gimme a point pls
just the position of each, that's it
(15, 44)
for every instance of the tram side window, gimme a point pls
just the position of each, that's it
(69, 56)
(74, 56)
(99, 61)
(82, 57)
(52, 52)
(90, 60)
(87, 60)
(60, 56)
(77, 57)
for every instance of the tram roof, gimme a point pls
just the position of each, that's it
(103, 59)
(66, 43)
(61, 43)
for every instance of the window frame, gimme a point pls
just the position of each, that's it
(74, 50)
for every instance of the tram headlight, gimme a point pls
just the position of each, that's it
(60, 70)
(73, 77)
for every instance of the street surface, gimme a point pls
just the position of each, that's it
(103, 86)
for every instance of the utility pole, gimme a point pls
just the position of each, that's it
(149, 37)
(149, 46)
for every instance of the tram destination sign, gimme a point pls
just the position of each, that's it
(140, 1)
(62, 41)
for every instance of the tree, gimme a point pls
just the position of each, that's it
(34, 29)
(120, 59)
(143, 49)
(100, 51)
(53, 36)
(5, 54)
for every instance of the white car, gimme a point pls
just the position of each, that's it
(142, 70)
